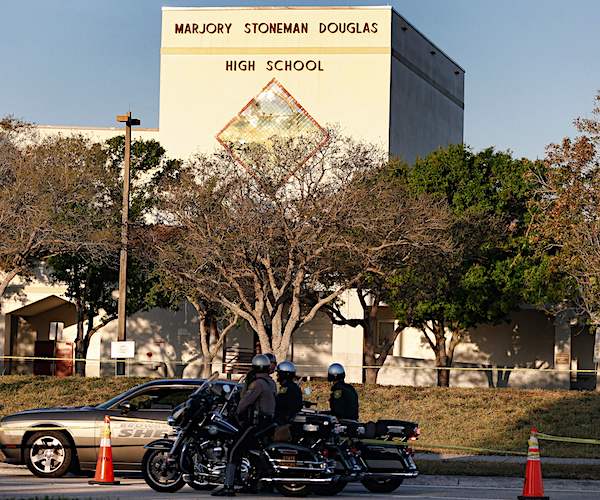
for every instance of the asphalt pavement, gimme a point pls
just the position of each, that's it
(17, 482)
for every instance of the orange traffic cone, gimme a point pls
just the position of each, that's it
(105, 473)
(533, 489)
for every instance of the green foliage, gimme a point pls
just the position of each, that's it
(90, 281)
(495, 268)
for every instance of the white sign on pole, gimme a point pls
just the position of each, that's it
(124, 349)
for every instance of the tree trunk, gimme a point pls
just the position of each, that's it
(443, 375)
(206, 367)
(370, 373)
(442, 360)
(6, 281)
(80, 348)
(371, 362)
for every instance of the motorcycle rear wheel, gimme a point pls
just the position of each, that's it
(329, 490)
(293, 489)
(159, 476)
(382, 485)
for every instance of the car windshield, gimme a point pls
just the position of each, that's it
(124, 396)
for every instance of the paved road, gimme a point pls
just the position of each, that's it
(16, 482)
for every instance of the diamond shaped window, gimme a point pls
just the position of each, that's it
(271, 119)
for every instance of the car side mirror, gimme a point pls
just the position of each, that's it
(125, 407)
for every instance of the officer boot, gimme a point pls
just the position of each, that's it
(227, 490)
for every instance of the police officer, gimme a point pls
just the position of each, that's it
(273, 361)
(255, 411)
(289, 398)
(343, 399)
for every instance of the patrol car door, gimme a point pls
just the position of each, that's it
(143, 422)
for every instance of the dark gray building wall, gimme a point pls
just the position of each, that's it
(426, 95)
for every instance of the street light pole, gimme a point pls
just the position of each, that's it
(122, 313)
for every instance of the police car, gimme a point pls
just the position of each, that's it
(54, 441)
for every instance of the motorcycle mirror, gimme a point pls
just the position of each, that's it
(307, 391)
(226, 389)
(125, 407)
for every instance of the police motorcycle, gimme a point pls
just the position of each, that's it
(381, 466)
(204, 431)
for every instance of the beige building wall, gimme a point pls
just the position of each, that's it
(206, 79)
(526, 340)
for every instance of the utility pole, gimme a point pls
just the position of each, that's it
(122, 325)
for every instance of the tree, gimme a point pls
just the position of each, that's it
(568, 200)
(91, 281)
(258, 241)
(51, 200)
(395, 209)
(495, 267)
(173, 269)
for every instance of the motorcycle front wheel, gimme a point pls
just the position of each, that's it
(293, 489)
(159, 473)
(382, 485)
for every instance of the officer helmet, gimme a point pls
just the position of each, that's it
(261, 363)
(286, 370)
(336, 372)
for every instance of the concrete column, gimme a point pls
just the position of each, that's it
(562, 348)
(347, 341)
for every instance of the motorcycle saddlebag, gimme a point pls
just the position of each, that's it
(384, 458)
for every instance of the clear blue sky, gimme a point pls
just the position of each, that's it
(531, 65)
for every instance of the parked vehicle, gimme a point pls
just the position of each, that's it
(73, 445)
(375, 453)
(197, 453)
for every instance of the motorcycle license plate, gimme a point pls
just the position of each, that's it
(288, 460)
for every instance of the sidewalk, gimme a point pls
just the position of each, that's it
(507, 459)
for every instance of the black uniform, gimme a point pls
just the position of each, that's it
(288, 402)
(255, 412)
(343, 401)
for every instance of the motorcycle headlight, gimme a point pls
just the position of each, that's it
(212, 430)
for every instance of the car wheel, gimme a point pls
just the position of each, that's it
(382, 485)
(48, 454)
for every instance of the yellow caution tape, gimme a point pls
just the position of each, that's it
(182, 362)
(434, 446)
(549, 437)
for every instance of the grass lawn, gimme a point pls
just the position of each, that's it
(498, 419)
